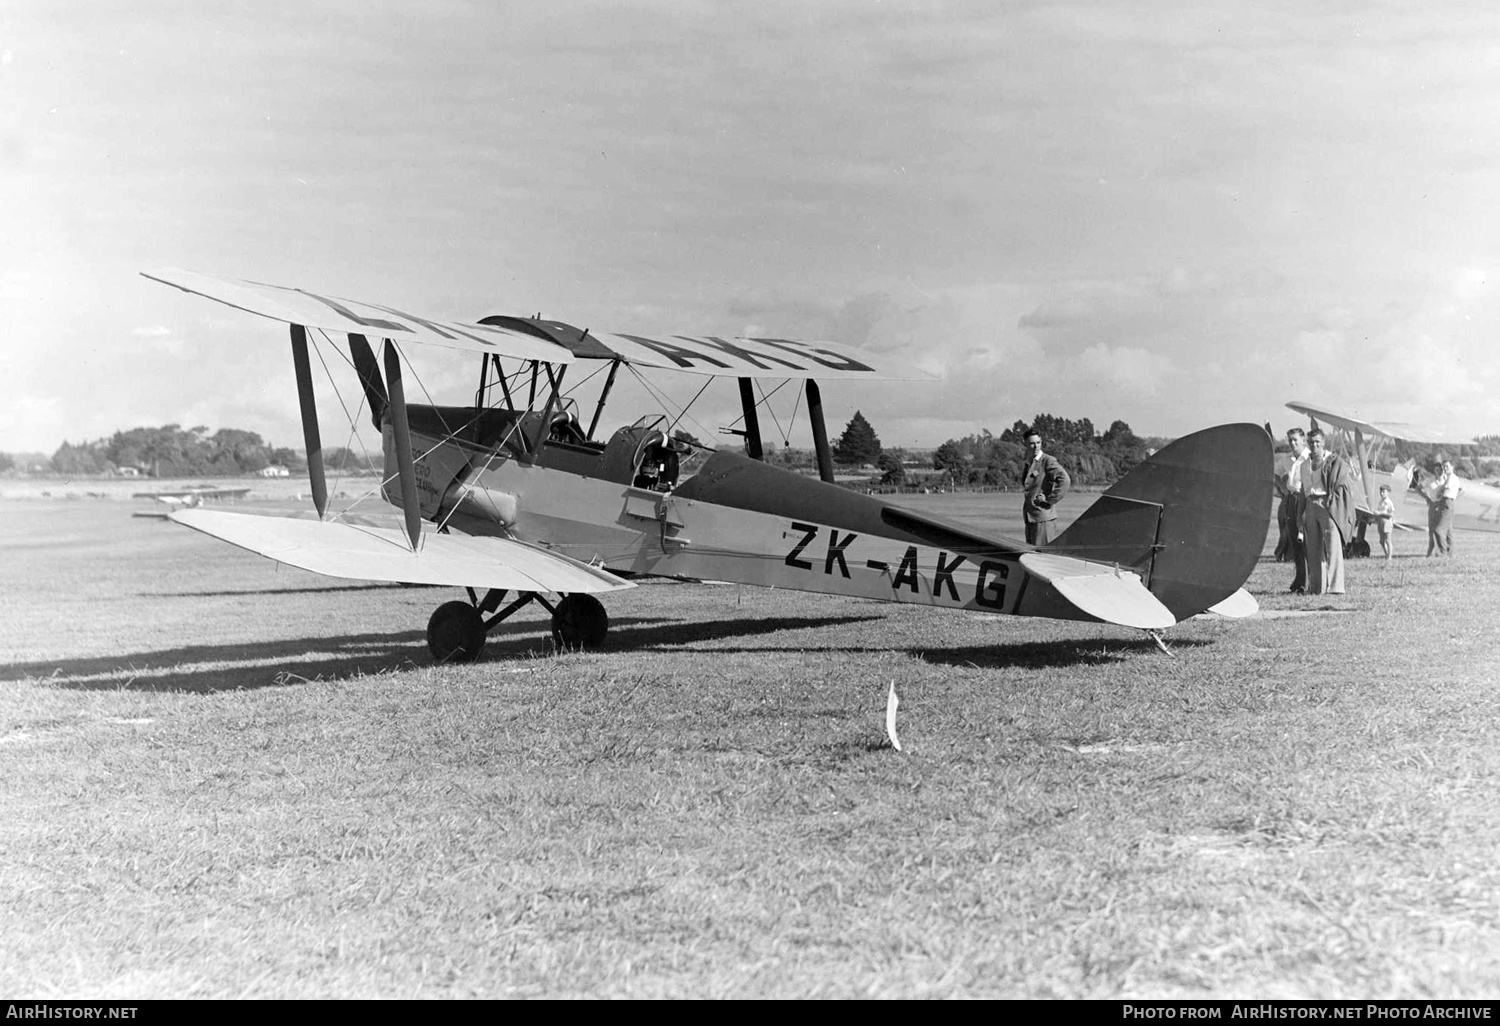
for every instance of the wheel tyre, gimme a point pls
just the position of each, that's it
(579, 622)
(455, 633)
(1362, 549)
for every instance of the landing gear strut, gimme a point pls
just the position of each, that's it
(457, 630)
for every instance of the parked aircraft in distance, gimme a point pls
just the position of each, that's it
(1361, 443)
(192, 496)
(513, 492)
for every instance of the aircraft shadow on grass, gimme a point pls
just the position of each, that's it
(207, 668)
(1051, 654)
(316, 589)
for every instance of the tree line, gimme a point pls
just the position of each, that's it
(996, 461)
(171, 451)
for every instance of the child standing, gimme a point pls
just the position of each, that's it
(1384, 513)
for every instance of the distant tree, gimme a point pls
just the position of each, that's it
(7, 462)
(892, 472)
(858, 444)
(951, 457)
(289, 458)
(77, 459)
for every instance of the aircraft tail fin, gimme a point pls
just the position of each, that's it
(1191, 519)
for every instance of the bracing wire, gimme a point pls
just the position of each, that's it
(668, 405)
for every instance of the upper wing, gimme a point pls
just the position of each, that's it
(298, 306)
(368, 553)
(757, 357)
(1387, 428)
(737, 357)
(529, 338)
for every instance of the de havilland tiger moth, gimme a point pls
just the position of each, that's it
(516, 499)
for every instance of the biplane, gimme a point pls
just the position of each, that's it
(516, 498)
(191, 497)
(194, 495)
(1361, 443)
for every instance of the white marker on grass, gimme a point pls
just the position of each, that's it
(891, 703)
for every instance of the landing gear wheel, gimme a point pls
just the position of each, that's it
(455, 633)
(579, 622)
(1361, 549)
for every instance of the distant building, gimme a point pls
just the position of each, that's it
(275, 472)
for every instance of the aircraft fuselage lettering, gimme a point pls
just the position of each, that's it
(836, 552)
(809, 532)
(991, 593)
(944, 575)
(906, 573)
(953, 575)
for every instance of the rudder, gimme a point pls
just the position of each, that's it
(1191, 519)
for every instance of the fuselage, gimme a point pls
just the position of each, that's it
(736, 520)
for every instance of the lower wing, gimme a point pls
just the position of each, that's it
(368, 553)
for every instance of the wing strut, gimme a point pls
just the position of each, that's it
(752, 419)
(368, 369)
(819, 430)
(310, 438)
(609, 383)
(402, 432)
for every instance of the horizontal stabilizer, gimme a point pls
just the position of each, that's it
(366, 553)
(1237, 606)
(1103, 592)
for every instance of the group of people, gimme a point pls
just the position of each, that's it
(1316, 513)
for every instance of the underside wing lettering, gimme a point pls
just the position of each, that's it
(807, 352)
(753, 359)
(809, 532)
(443, 330)
(944, 575)
(906, 573)
(344, 311)
(836, 552)
(991, 593)
(679, 355)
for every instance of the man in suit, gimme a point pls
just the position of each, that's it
(1293, 504)
(1046, 482)
(1327, 515)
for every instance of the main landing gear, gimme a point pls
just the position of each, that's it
(456, 630)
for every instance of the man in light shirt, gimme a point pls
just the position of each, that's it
(1292, 505)
(1445, 492)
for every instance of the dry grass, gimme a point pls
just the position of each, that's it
(219, 779)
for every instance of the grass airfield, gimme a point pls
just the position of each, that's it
(219, 778)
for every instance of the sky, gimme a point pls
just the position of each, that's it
(1177, 218)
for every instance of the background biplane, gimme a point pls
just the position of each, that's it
(524, 497)
(1362, 443)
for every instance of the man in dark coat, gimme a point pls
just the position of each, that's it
(1327, 516)
(1046, 482)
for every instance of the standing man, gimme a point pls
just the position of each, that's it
(1327, 516)
(1292, 505)
(1445, 492)
(1045, 482)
